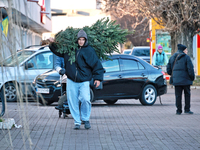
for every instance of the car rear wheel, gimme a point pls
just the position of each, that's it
(10, 92)
(111, 102)
(149, 95)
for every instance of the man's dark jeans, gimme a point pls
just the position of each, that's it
(178, 94)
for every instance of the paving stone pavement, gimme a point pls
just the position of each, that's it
(127, 125)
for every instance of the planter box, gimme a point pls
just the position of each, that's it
(7, 123)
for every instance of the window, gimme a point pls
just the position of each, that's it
(42, 61)
(48, 8)
(13, 60)
(128, 64)
(141, 52)
(140, 66)
(111, 65)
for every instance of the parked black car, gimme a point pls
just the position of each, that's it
(126, 77)
(142, 52)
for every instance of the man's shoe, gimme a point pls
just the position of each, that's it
(87, 124)
(189, 112)
(76, 127)
(178, 113)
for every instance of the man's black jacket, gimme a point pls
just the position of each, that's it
(183, 72)
(86, 66)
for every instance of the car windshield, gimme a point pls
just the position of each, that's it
(141, 52)
(13, 60)
(127, 52)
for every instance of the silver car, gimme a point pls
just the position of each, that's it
(18, 71)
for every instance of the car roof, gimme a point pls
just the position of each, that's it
(140, 47)
(123, 56)
(36, 47)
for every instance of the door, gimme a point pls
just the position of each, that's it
(111, 80)
(133, 77)
(42, 62)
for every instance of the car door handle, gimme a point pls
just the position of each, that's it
(120, 76)
(143, 74)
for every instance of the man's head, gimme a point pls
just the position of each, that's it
(182, 48)
(82, 38)
(81, 41)
(160, 49)
(45, 42)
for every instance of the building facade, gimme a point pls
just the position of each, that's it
(76, 14)
(22, 24)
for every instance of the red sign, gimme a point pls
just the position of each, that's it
(43, 9)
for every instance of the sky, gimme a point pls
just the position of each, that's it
(73, 4)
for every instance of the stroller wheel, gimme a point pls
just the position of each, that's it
(64, 115)
(60, 113)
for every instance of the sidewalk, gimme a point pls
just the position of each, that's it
(127, 125)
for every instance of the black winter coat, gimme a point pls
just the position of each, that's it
(183, 72)
(86, 66)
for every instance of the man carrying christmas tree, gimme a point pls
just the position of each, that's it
(86, 66)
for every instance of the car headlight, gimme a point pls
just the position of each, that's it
(41, 77)
(34, 81)
(58, 85)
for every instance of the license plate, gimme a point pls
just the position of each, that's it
(42, 90)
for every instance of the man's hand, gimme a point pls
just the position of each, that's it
(51, 39)
(96, 83)
(62, 71)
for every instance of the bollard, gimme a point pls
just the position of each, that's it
(3, 104)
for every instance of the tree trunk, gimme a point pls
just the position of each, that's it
(173, 43)
(185, 38)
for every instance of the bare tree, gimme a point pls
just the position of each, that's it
(141, 31)
(181, 18)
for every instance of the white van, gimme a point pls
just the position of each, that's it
(18, 71)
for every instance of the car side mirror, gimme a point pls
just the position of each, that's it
(28, 65)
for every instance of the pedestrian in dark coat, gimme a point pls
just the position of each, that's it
(183, 76)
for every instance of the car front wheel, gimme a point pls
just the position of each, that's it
(9, 92)
(149, 95)
(111, 102)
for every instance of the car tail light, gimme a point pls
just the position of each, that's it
(163, 74)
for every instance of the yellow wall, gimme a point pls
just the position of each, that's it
(153, 27)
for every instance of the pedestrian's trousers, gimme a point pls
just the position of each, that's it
(79, 94)
(178, 94)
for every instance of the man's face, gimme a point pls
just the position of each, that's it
(185, 51)
(81, 41)
(160, 50)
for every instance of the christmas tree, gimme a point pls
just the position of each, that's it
(104, 36)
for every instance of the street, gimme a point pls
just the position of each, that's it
(125, 125)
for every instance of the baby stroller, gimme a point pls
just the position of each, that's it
(63, 101)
